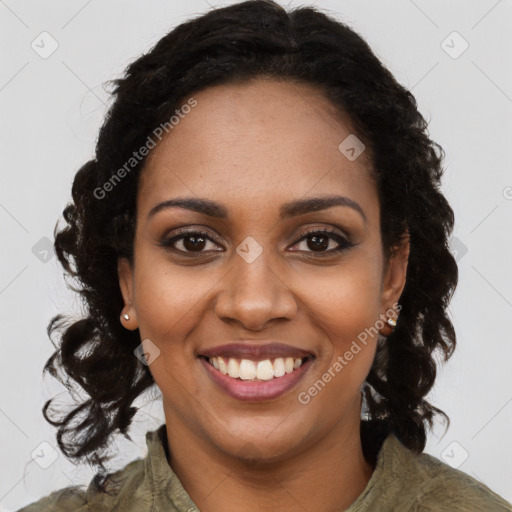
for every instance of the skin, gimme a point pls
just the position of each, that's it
(253, 147)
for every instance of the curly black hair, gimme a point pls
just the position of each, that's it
(235, 44)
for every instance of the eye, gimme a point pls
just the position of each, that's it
(320, 239)
(195, 241)
(192, 241)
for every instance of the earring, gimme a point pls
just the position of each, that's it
(126, 316)
(388, 327)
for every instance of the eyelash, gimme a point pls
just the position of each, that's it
(344, 244)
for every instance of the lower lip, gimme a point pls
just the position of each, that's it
(256, 390)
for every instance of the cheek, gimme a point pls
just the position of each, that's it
(169, 307)
(170, 298)
(344, 304)
(345, 299)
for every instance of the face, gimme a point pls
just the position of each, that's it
(266, 278)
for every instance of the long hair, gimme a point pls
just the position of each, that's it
(228, 45)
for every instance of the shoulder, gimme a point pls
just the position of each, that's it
(92, 498)
(450, 489)
(63, 500)
(130, 489)
(436, 486)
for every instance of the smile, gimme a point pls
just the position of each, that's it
(256, 381)
(246, 369)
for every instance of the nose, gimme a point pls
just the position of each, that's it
(254, 294)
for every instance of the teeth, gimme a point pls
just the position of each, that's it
(265, 370)
(223, 367)
(246, 369)
(233, 368)
(279, 370)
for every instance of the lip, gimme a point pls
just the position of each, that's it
(255, 352)
(256, 391)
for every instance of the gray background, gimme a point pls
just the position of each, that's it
(52, 108)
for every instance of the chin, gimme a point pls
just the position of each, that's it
(270, 443)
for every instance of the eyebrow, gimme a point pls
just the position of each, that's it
(287, 210)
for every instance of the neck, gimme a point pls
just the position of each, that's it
(329, 475)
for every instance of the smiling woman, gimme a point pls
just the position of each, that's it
(277, 264)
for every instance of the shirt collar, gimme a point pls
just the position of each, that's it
(166, 488)
(168, 491)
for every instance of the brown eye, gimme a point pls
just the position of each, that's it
(318, 240)
(191, 241)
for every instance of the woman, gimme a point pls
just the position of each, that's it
(262, 237)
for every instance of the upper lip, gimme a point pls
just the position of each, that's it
(247, 350)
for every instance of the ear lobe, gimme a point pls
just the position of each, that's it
(128, 315)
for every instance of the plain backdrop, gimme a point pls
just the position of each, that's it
(455, 57)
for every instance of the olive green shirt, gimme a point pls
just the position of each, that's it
(402, 481)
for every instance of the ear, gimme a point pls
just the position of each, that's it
(125, 276)
(395, 274)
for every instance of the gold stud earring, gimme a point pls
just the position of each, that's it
(388, 327)
(392, 322)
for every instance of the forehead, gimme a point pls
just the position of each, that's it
(256, 142)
